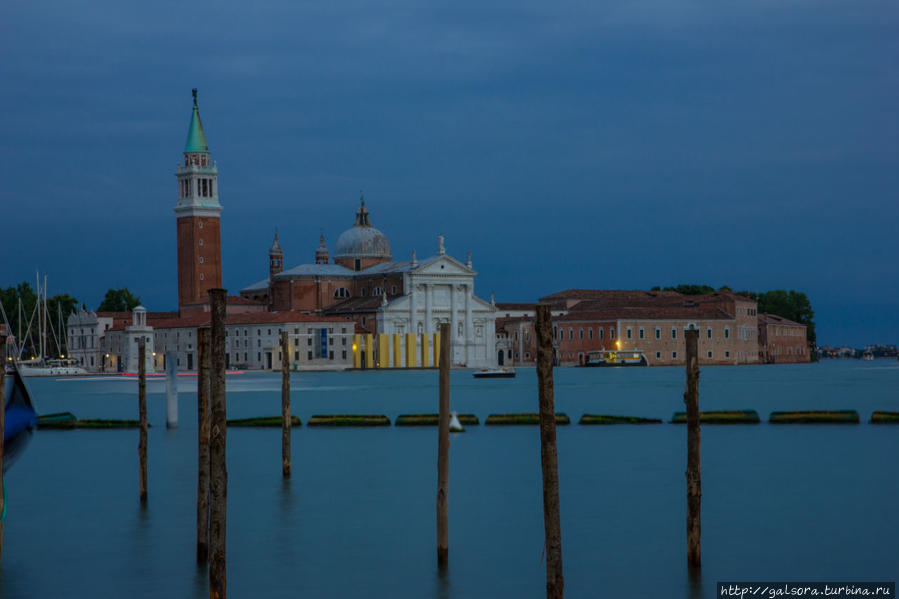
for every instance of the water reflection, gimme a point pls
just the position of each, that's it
(442, 586)
(694, 584)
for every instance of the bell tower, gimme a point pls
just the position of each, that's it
(275, 258)
(198, 214)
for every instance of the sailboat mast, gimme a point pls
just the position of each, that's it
(60, 332)
(19, 338)
(46, 344)
(40, 334)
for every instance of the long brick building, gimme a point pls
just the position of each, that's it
(653, 322)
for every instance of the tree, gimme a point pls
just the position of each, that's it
(62, 304)
(793, 305)
(119, 300)
(691, 289)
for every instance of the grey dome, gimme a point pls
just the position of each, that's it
(363, 240)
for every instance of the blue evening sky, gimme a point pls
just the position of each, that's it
(611, 144)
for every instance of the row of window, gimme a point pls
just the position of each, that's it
(203, 188)
(330, 341)
(629, 333)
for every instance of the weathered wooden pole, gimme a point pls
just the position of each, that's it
(171, 390)
(2, 426)
(555, 583)
(285, 406)
(218, 472)
(142, 411)
(203, 418)
(443, 441)
(694, 482)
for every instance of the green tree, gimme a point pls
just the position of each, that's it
(62, 304)
(793, 305)
(119, 300)
(691, 289)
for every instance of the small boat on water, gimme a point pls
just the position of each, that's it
(495, 373)
(53, 367)
(608, 357)
(20, 417)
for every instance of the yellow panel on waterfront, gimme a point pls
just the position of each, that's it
(397, 350)
(357, 351)
(369, 351)
(410, 350)
(424, 350)
(436, 349)
(383, 350)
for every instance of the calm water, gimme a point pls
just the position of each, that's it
(357, 518)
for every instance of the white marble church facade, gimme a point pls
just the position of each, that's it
(441, 290)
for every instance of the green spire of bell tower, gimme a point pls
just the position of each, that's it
(196, 139)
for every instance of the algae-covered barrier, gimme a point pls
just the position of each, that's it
(349, 420)
(67, 420)
(269, 421)
(720, 417)
(523, 418)
(609, 419)
(431, 419)
(815, 417)
(881, 417)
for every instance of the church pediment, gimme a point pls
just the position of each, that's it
(443, 265)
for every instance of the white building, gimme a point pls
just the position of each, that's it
(252, 341)
(85, 332)
(440, 290)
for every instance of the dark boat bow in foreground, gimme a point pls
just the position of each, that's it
(21, 418)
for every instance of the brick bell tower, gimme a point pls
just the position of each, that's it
(198, 214)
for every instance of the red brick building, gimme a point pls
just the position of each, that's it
(782, 341)
(651, 321)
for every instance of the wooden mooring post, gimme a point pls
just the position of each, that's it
(142, 415)
(555, 582)
(218, 472)
(285, 406)
(2, 427)
(443, 451)
(203, 422)
(694, 482)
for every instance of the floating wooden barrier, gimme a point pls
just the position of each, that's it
(431, 419)
(268, 421)
(815, 417)
(880, 417)
(349, 420)
(57, 420)
(720, 417)
(523, 418)
(608, 419)
(67, 420)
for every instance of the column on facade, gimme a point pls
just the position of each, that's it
(412, 329)
(469, 328)
(453, 325)
(429, 302)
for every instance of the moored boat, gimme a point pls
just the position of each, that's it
(495, 373)
(54, 367)
(608, 357)
(20, 417)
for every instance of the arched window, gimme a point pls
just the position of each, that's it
(364, 292)
(377, 291)
(341, 292)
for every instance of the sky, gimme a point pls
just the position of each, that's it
(573, 144)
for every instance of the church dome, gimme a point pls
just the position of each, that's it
(362, 240)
